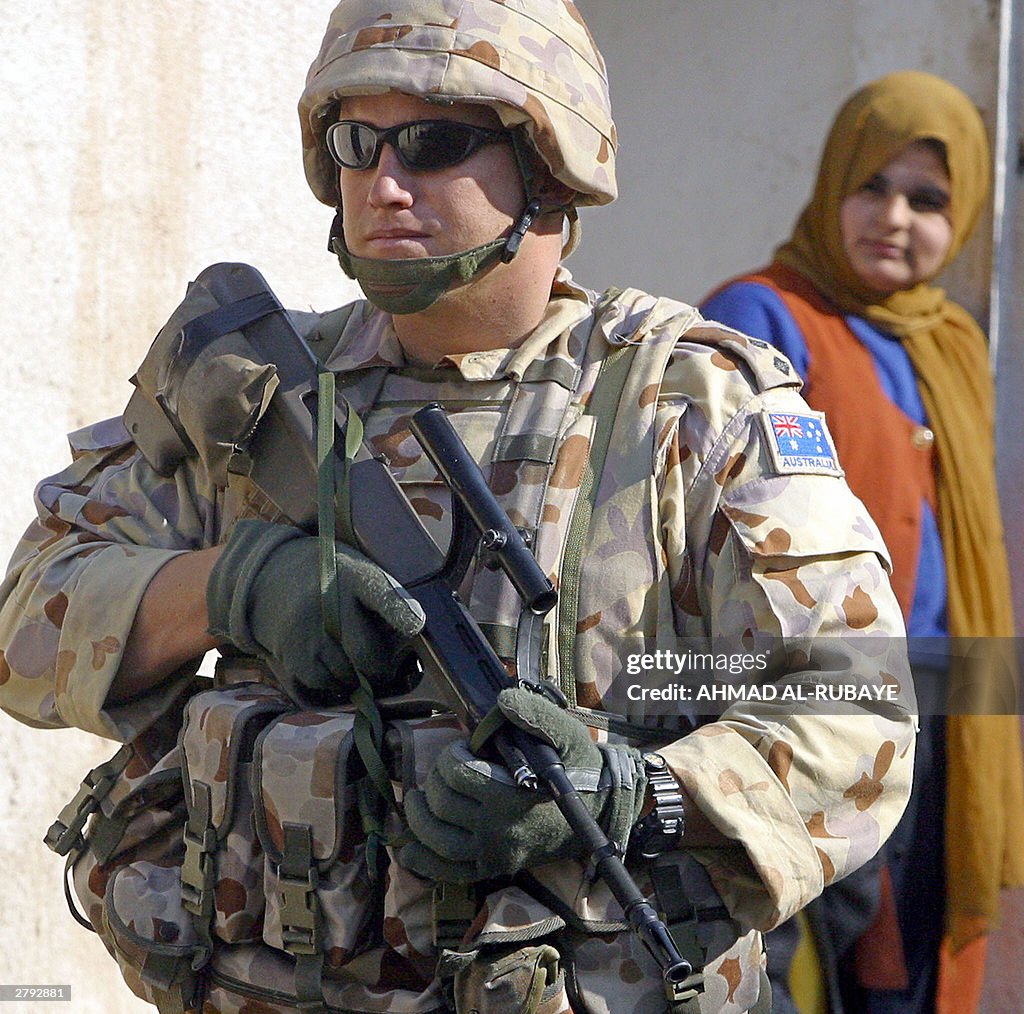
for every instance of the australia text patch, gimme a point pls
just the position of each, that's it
(800, 443)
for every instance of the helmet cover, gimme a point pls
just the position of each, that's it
(533, 61)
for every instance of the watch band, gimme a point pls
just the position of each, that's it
(662, 829)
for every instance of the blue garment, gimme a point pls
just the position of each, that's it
(757, 310)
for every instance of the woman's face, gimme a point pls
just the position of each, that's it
(896, 228)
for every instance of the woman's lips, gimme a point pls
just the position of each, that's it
(879, 248)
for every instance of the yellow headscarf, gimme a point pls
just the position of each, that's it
(874, 126)
(985, 791)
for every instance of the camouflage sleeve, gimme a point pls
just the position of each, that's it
(780, 556)
(104, 526)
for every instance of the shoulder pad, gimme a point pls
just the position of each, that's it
(767, 365)
(632, 317)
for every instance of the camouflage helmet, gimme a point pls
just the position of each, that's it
(533, 61)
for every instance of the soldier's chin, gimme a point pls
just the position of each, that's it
(385, 291)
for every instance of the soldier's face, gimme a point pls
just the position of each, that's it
(897, 228)
(391, 212)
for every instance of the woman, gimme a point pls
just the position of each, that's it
(902, 374)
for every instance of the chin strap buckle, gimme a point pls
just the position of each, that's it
(522, 227)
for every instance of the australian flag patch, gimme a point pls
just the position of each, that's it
(800, 443)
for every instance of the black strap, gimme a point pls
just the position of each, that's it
(225, 319)
(198, 333)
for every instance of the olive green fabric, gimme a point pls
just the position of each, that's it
(471, 821)
(516, 980)
(264, 597)
(420, 280)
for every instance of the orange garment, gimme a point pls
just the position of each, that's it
(887, 458)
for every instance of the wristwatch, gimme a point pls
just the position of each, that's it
(662, 829)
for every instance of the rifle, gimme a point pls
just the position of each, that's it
(280, 457)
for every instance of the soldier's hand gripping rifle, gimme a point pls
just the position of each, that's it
(280, 456)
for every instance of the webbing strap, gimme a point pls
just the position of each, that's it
(453, 909)
(65, 836)
(565, 374)
(539, 447)
(334, 503)
(603, 406)
(197, 871)
(301, 934)
(375, 794)
(105, 834)
(227, 318)
(166, 1001)
(65, 833)
(199, 332)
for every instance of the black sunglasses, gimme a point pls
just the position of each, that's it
(421, 144)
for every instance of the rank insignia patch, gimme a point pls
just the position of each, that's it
(800, 443)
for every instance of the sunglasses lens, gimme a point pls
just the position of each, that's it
(425, 144)
(435, 144)
(352, 145)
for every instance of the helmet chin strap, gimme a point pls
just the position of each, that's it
(421, 281)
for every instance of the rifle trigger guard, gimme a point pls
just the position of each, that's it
(461, 547)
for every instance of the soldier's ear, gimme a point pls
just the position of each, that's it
(545, 188)
(553, 193)
(540, 183)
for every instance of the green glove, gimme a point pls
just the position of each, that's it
(471, 821)
(264, 597)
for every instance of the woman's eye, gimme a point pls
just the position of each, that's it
(928, 200)
(876, 185)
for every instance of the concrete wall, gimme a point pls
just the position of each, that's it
(1008, 281)
(142, 141)
(722, 109)
(1009, 304)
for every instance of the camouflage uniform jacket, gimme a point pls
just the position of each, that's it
(699, 530)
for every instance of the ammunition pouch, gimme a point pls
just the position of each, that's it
(233, 868)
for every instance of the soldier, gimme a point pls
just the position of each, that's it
(646, 452)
